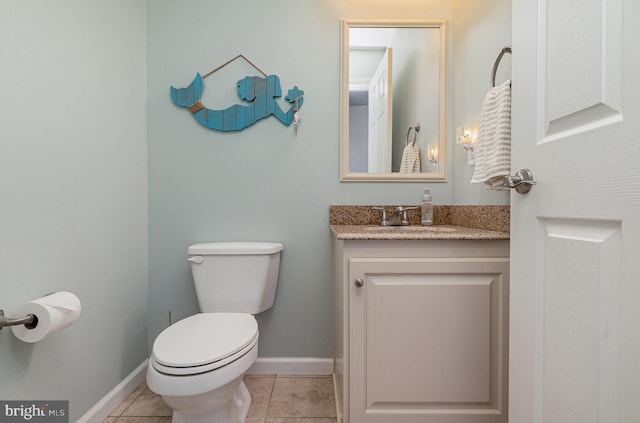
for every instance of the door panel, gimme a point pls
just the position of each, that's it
(444, 345)
(576, 323)
(582, 61)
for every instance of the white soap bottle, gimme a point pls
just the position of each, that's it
(426, 208)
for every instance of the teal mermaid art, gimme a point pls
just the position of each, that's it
(259, 94)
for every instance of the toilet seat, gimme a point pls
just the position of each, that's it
(204, 342)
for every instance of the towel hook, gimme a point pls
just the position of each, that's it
(506, 49)
(416, 128)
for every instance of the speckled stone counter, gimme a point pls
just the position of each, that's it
(450, 222)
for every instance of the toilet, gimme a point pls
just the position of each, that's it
(197, 364)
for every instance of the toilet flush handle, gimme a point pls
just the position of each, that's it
(196, 259)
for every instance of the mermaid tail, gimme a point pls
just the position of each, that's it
(186, 97)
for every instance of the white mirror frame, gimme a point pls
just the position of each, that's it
(345, 174)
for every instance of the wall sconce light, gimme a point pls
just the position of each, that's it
(432, 155)
(467, 136)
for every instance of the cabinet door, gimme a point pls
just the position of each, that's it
(428, 340)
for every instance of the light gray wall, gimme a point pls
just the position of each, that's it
(262, 183)
(73, 189)
(480, 30)
(416, 92)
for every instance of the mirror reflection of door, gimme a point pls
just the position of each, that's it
(380, 116)
(364, 62)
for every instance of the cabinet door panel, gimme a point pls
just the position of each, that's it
(428, 340)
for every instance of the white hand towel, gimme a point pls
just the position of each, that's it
(410, 159)
(493, 148)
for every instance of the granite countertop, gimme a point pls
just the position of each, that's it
(364, 232)
(450, 223)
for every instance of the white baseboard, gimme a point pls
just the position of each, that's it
(336, 396)
(106, 405)
(292, 366)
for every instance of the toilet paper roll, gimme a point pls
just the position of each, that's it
(54, 312)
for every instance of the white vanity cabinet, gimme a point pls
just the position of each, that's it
(421, 330)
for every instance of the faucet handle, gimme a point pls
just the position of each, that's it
(383, 221)
(405, 218)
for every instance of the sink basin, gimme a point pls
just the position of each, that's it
(385, 229)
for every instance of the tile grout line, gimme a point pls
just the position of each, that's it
(131, 403)
(133, 399)
(273, 385)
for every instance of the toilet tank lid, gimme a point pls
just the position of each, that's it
(222, 248)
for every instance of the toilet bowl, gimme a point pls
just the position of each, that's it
(197, 364)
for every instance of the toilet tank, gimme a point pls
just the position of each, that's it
(236, 277)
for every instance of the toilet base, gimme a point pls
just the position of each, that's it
(233, 411)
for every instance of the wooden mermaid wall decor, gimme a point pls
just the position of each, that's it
(259, 96)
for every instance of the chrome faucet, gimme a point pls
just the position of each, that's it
(398, 218)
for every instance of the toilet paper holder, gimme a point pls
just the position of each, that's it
(30, 321)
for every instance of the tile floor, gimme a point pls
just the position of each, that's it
(274, 399)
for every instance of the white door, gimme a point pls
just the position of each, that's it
(575, 238)
(380, 115)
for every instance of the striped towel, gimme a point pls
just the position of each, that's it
(493, 148)
(410, 159)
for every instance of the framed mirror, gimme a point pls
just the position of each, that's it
(393, 100)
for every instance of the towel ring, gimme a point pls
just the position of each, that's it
(506, 49)
(416, 129)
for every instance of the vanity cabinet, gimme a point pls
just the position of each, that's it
(421, 330)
